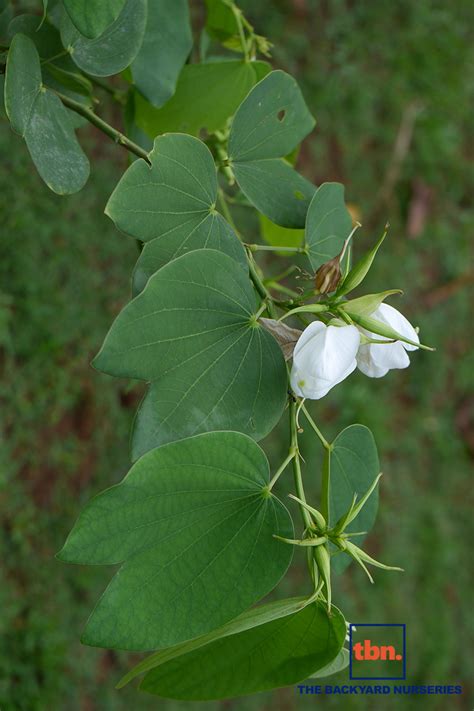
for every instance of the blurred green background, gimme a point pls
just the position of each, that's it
(391, 85)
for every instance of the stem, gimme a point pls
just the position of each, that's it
(296, 464)
(226, 212)
(64, 53)
(320, 435)
(238, 18)
(103, 126)
(281, 468)
(269, 248)
(262, 308)
(282, 289)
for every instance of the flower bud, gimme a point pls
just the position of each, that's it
(328, 276)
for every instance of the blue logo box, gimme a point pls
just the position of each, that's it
(376, 628)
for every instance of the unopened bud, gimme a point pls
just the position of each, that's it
(328, 276)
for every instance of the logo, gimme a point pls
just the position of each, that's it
(377, 651)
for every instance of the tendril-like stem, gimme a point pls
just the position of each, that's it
(313, 425)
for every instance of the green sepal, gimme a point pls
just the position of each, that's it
(366, 305)
(359, 271)
(375, 326)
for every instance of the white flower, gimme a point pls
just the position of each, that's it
(376, 359)
(323, 357)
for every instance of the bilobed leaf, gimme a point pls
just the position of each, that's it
(354, 464)
(260, 615)
(212, 233)
(328, 224)
(193, 524)
(206, 96)
(115, 49)
(41, 119)
(337, 665)
(92, 17)
(165, 47)
(171, 205)
(268, 125)
(192, 333)
(274, 653)
(182, 171)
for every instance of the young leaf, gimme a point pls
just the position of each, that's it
(192, 332)
(41, 119)
(171, 205)
(328, 224)
(274, 653)
(165, 47)
(92, 17)
(113, 50)
(206, 96)
(268, 125)
(193, 525)
(354, 464)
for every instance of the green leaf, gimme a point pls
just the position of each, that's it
(268, 125)
(353, 466)
(92, 17)
(59, 72)
(193, 525)
(212, 233)
(115, 49)
(205, 98)
(328, 224)
(192, 332)
(275, 653)
(337, 665)
(175, 194)
(46, 38)
(221, 23)
(246, 621)
(6, 14)
(278, 236)
(41, 119)
(166, 45)
(171, 205)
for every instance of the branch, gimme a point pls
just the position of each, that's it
(103, 126)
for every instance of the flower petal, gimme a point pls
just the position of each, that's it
(387, 314)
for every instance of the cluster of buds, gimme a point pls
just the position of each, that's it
(318, 536)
